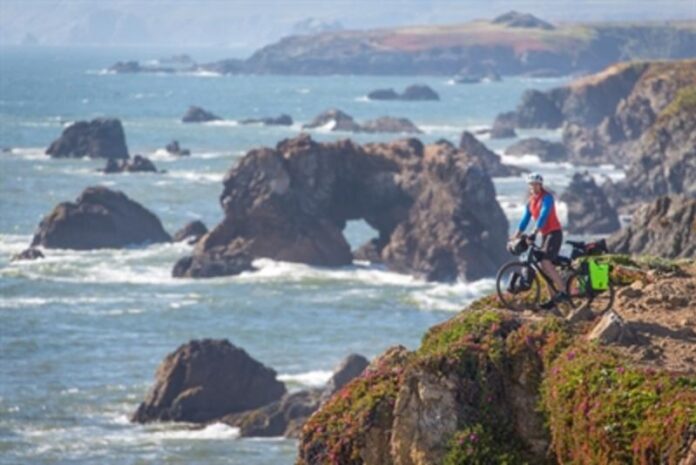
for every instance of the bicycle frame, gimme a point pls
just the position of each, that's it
(532, 261)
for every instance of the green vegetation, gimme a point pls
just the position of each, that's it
(602, 411)
(683, 102)
(592, 404)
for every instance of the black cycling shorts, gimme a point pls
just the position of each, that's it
(551, 245)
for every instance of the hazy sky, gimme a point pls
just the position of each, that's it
(245, 25)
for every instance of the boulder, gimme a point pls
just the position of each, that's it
(286, 416)
(191, 232)
(589, 211)
(610, 329)
(99, 218)
(383, 94)
(665, 227)
(390, 124)
(198, 115)
(282, 120)
(28, 254)
(123, 67)
(99, 138)
(419, 92)
(217, 261)
(173, 148)
(335, 120)
(546, 151)
(486, 158)
(347, 370)
(204, 380)
(434, 209)
(137, 164)
(503, 127)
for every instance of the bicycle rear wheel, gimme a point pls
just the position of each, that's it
(581, 293)
(518, 297)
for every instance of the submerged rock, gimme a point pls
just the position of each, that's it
(191, 232)
(198, 115)
(99, 218)
(137, 164)
(412, 92)
(99, 138)
(205, 380)
(589, 211)
(435, 209)
(282, 120)
(665, 228)
(173, 148)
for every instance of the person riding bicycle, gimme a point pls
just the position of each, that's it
(541, 207)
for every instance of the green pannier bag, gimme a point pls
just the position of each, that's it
(599, 276)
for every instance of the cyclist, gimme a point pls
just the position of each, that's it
(541, 208)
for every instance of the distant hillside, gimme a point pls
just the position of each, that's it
(510, 44)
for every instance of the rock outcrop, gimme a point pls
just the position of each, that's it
(99, 138)
(490, 386)
(546, 151)
(281, 120)
(503, 128)
(434, 208)
(198, 115)
(137, 164)
(28, 254)
(287, 416)
(204, 380)
(191, 232)
(413, 92)
(336, 120)
(486, 158)
(99, 218)
(665, 227)
(173, 148)
(390, 124)
(589, 211)
(524, 20)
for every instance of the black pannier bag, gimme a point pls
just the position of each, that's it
(596, 248)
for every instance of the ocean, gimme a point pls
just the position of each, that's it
(82, 333)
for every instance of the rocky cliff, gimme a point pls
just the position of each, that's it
(493, 387)
(510, 44)
(638, 115)
(433, 207)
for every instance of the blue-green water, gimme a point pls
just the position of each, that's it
(81, 333)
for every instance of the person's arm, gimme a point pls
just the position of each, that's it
(546, 206)
(524, 222)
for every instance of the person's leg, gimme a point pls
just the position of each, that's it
(552, 273)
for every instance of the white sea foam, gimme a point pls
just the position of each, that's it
(201, 73)
(451, 297)
(328, 127)
(222, 123)
(316, 378)
(440, 129)
(362, 98)
(30, 153)
(210, 432)
(197, 176)
(303, 90)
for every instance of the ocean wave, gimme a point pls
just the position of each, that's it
(201, 73)
(440, 128)
(222, 123)
(452, 297)
(197, 176)
(316, 378)
(30, 153)
(210, 432)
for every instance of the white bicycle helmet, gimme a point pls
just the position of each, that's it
(534, 178)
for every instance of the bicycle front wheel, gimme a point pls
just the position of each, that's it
(518, 286)
(580, 291)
